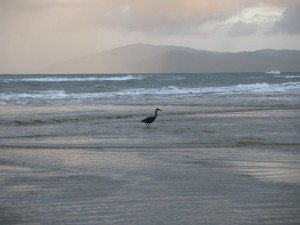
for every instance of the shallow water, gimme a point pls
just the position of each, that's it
(149, 186)
(230, 158)
(182, 122)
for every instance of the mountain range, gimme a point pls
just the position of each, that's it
(144, 58)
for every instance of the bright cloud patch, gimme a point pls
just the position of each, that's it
(253, 20)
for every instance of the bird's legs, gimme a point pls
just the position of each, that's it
(147, 125)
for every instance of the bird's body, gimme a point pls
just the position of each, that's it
(150, 119)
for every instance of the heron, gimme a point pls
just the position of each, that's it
(150, 119)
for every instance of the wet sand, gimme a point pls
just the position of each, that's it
(149, 186)
(197, 164)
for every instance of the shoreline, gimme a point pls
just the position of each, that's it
(114, 186)
(213, 159)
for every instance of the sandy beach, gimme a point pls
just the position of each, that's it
(192, 166)
(139, 112)
(227, 157)
(149, 186)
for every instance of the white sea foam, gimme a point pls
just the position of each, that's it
(236, 89)
(75, 79)
(24, 97)
(274, 72)
(289, 76)
(170, 91)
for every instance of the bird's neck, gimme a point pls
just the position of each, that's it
(155, 113)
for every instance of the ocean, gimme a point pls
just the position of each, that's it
(225, 149)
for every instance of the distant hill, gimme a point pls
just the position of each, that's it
(143, 58)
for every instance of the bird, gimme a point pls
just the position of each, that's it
(150, 119)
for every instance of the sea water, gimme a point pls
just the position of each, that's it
(35, 89)
(223, 150)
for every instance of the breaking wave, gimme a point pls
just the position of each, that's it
(236, 89)
(169, 91)
(288, 76)
(76, 79)
(273, 72)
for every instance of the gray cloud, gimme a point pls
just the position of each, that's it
(242, 29)
(289, 23)
(35, 33)
(128, 15)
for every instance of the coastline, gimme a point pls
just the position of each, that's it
(191, 122)
(149, 185)
(208, 159)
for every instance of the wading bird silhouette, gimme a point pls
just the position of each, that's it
(150, 119)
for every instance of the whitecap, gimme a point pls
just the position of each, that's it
(168, 91)
(236, 89)
(75, 79)
(288, 76)
(274, 72)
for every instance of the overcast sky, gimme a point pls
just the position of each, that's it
(35, 33)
